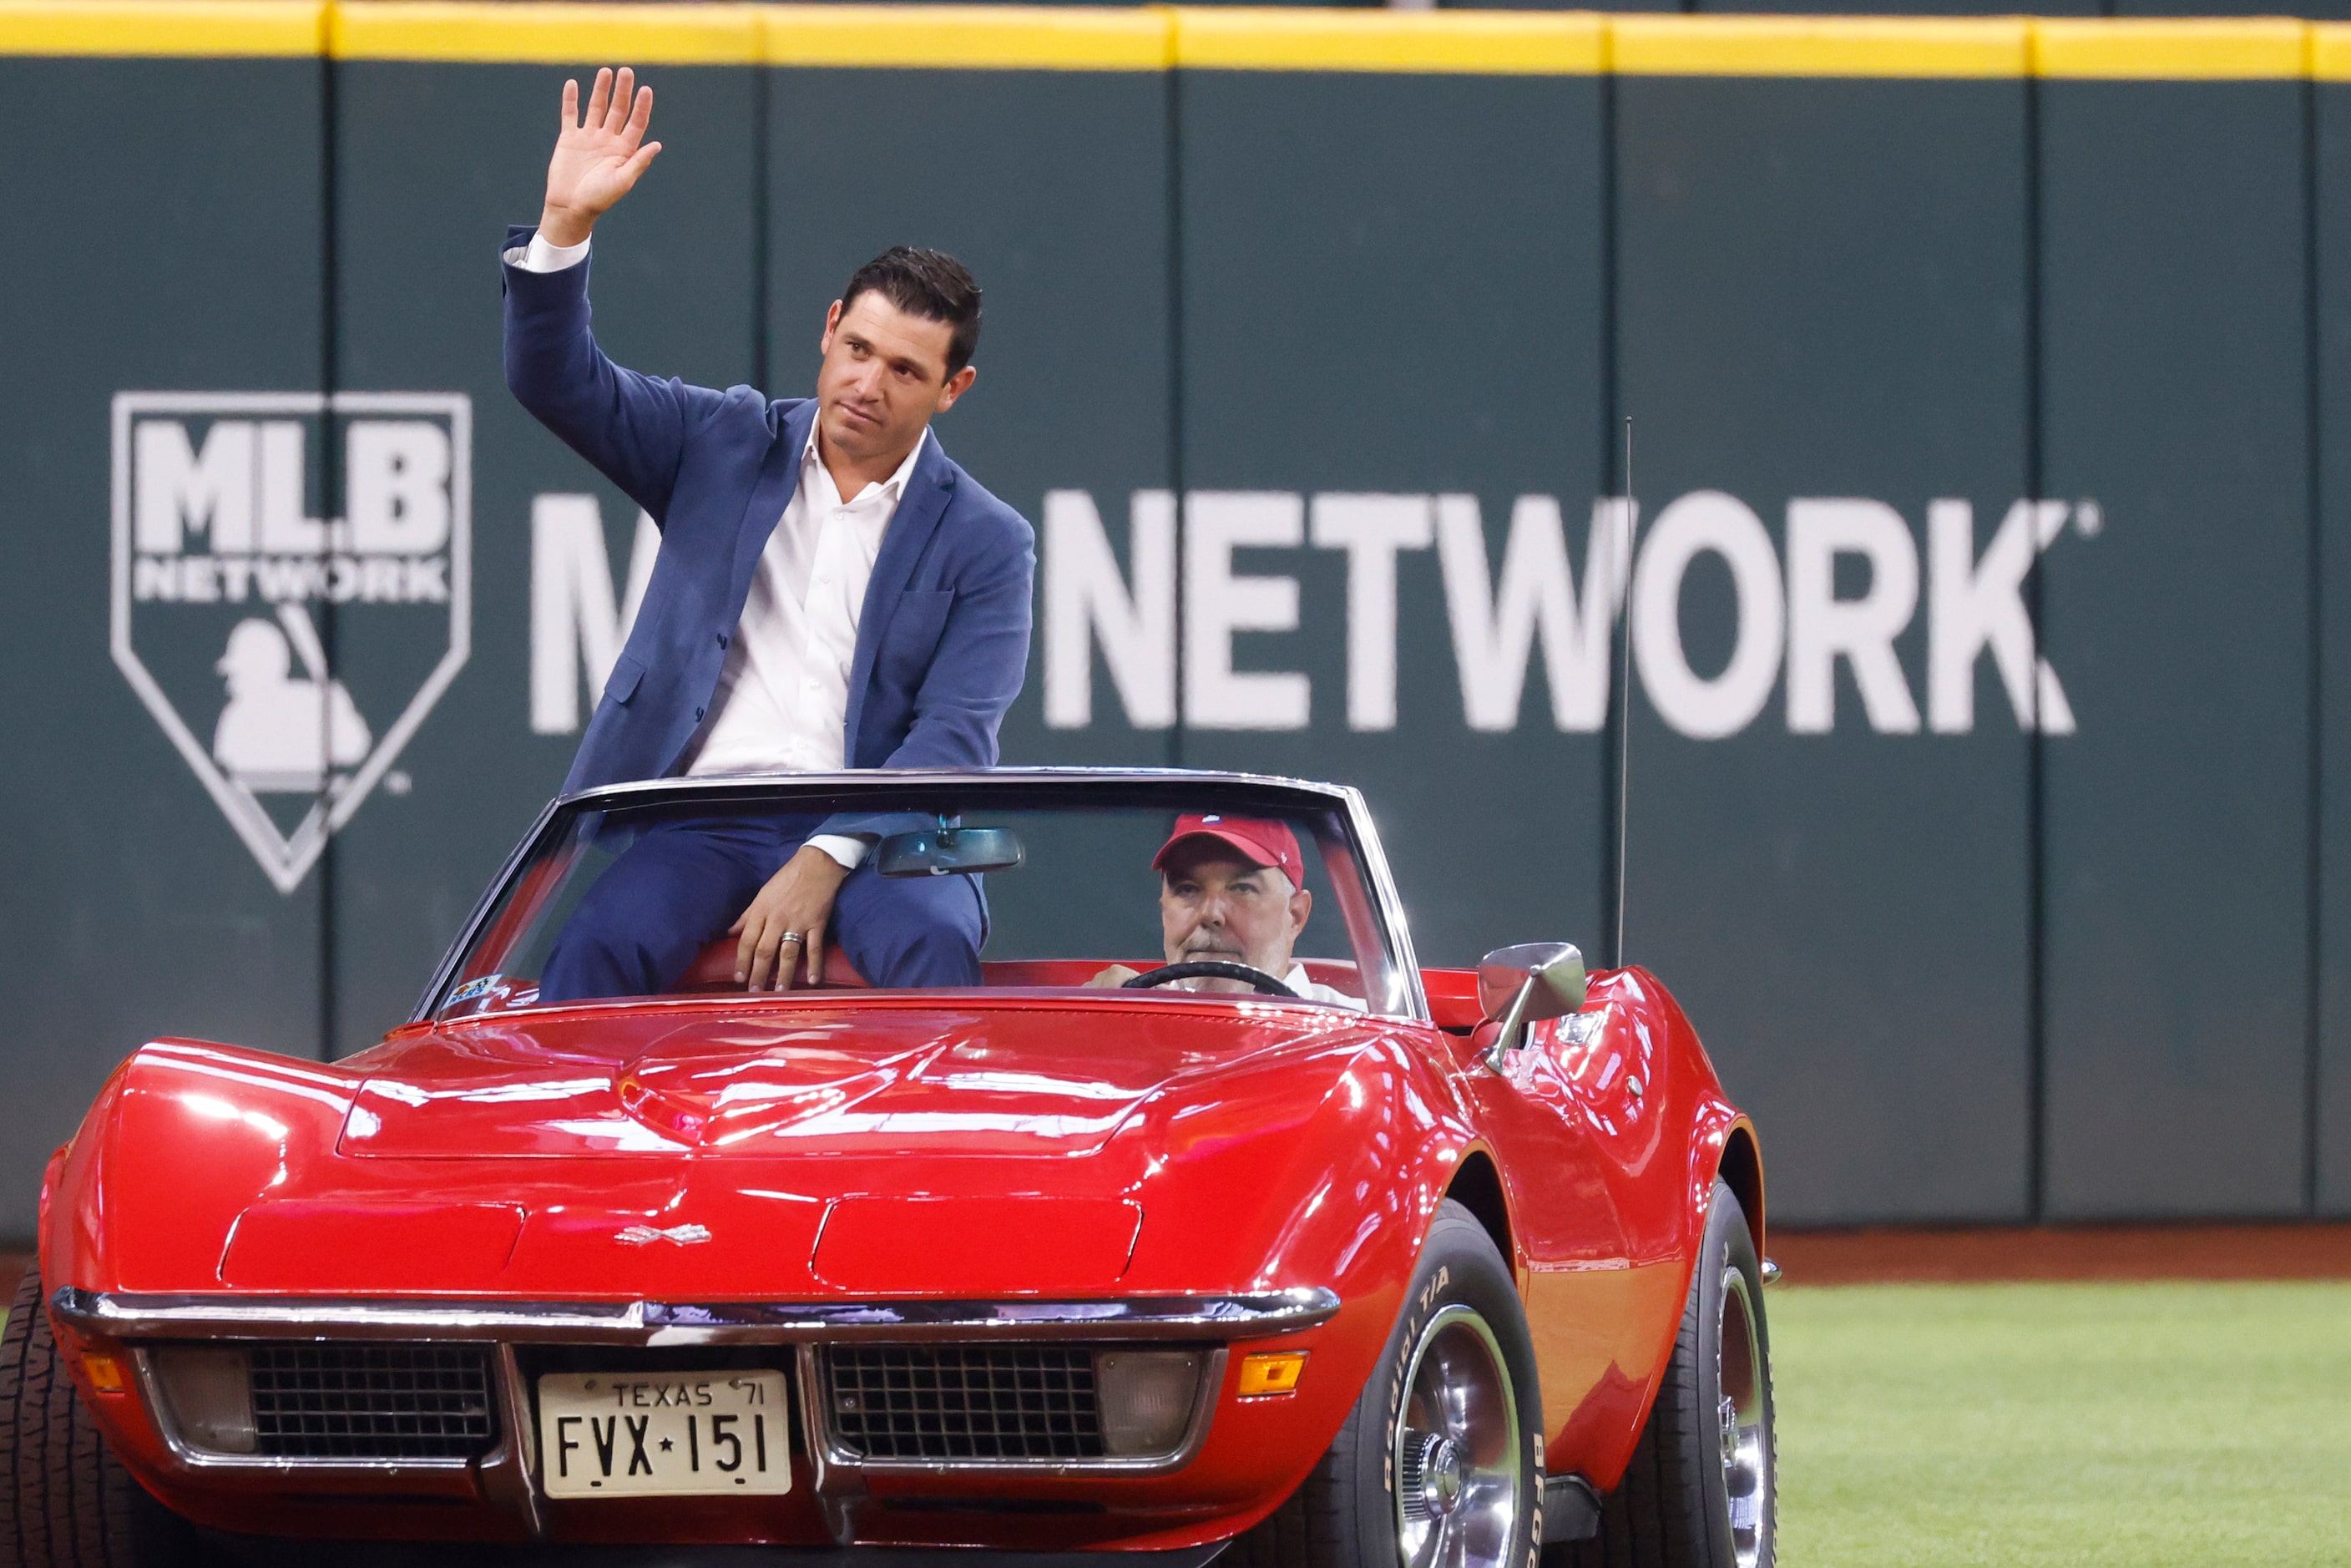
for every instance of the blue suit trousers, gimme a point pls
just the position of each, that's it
(683, 884)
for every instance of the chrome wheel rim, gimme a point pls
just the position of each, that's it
(1456, 1459)
(1740, 1419)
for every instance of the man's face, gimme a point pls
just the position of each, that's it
(884, 375)
(1214, 904)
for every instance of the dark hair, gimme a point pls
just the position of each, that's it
(926, 283)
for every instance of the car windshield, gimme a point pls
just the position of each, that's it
(1239, 889)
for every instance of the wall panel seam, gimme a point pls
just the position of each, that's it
(1616, 729)
(2314, 609)
(329, 1020)
(2036, 794)
(1173, 111)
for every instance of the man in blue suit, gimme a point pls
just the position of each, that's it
(832, 591)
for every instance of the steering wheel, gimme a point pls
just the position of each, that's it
(1265, 985)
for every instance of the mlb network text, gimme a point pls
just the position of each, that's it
(1789, 619)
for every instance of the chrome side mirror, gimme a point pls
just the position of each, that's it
(1526, 983)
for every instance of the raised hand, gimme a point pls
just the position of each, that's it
(597, 161)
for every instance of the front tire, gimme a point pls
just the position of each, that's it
(1702, 1490)
(1441, 1463)
(66, 1502)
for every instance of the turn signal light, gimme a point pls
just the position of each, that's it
(1272, 1372)
(105, 1372)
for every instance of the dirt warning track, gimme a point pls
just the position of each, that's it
(1879, 1254)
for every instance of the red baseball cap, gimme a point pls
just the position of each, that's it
(1262, 842)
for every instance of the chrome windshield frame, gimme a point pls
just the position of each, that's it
(1412, 1001)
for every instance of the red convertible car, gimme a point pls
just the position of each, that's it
(1200, 1223)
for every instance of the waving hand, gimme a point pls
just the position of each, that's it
(597, 162)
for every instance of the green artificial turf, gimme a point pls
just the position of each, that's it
(2070, 1426)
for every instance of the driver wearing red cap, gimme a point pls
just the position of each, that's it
(1232, 889)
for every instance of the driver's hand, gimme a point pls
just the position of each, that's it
(1112, 977)
(797, 898)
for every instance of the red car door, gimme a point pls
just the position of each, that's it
(1573, 1262)
(1612, 1061)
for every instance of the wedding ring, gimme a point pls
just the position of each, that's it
(791, 936)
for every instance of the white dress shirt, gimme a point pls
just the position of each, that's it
(782, 701)
(1297, 980)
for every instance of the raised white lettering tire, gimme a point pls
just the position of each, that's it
(1439, 1464)
(1702, 1490)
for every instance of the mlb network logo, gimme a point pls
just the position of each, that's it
(289, 647)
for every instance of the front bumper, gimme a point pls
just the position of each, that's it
(839, 1499)
(249, 1553)
(656, 1323)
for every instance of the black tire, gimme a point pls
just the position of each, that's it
(1672, 1509)
(66, 1502)
(1347, 1514)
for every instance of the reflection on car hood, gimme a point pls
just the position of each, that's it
(872, 1076)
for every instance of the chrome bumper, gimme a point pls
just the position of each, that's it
(507, 1476)
(656, 1323)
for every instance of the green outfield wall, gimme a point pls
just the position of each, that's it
(1990, 612)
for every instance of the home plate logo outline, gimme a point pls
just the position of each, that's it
(288, 725)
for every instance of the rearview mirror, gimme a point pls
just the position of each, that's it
(948, 851)
(1526, 983)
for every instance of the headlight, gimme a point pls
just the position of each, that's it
(1145, 1398)
(208, 1395)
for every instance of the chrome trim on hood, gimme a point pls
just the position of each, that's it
(130, 1316)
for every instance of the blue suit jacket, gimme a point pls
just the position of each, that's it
(942, 640)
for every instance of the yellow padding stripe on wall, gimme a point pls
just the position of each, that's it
(1489, 43)
(164, 27)
(562, 34)
(918, 37)
(2330, 51)
(1156, 38)
(1720, 46)
(1000, 37)
(2252, 49)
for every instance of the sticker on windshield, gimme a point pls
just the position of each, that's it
(472, 990)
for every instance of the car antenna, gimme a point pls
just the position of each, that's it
(1625, 700)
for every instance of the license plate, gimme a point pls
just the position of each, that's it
(628, 1435)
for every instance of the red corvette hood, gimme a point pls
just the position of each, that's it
(874, 1076)
(661, 1151)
